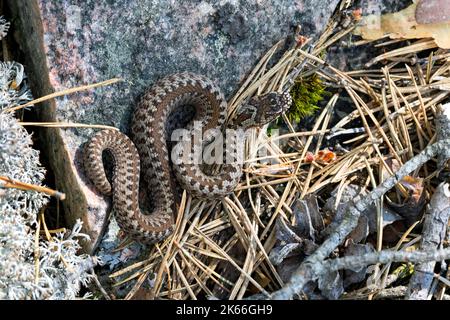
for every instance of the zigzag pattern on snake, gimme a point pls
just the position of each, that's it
(160, 110)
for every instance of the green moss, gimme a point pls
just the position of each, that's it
(404, 270)
(306, 94)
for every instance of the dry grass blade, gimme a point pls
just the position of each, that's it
(67, 125)
(63, 93)
(6, 182)
(418, 46)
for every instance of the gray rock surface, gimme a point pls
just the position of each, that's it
(433, 11)
(73, 42)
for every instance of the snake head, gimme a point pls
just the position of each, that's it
(263, 109)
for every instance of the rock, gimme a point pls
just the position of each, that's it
(70, 43)
(433, 11)
(381, 6)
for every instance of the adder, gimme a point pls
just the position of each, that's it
(162, 108)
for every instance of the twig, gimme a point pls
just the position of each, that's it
(99, 285)
(384, 256)
(6, 182)
(388, 293)
(63, 93)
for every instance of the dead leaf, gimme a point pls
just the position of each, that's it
(308, 219)
(410, 209)
(356, 276)
(143, 294)
(284, 234)
(366, 225)
(290, 250)
(338, 210)
(411, 190)
(279, 253)
(389, 216)
(331, 285)
(415, 185)
(361, 231)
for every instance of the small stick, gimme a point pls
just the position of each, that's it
(99, 285)
(63, 93)
(6, 182)
(37, 251)
(67, 125)
(385, 256)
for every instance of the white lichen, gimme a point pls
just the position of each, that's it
(4, 27)
(61, 270)
(12, 90)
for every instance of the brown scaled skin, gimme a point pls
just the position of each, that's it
(150, 153)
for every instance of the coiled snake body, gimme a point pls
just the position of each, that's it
(161, 109)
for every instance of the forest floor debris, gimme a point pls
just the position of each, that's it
(331, 207)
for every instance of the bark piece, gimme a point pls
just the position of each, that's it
(433, 235)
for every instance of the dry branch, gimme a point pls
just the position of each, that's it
(384, 256)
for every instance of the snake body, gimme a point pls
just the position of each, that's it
(162, 108)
